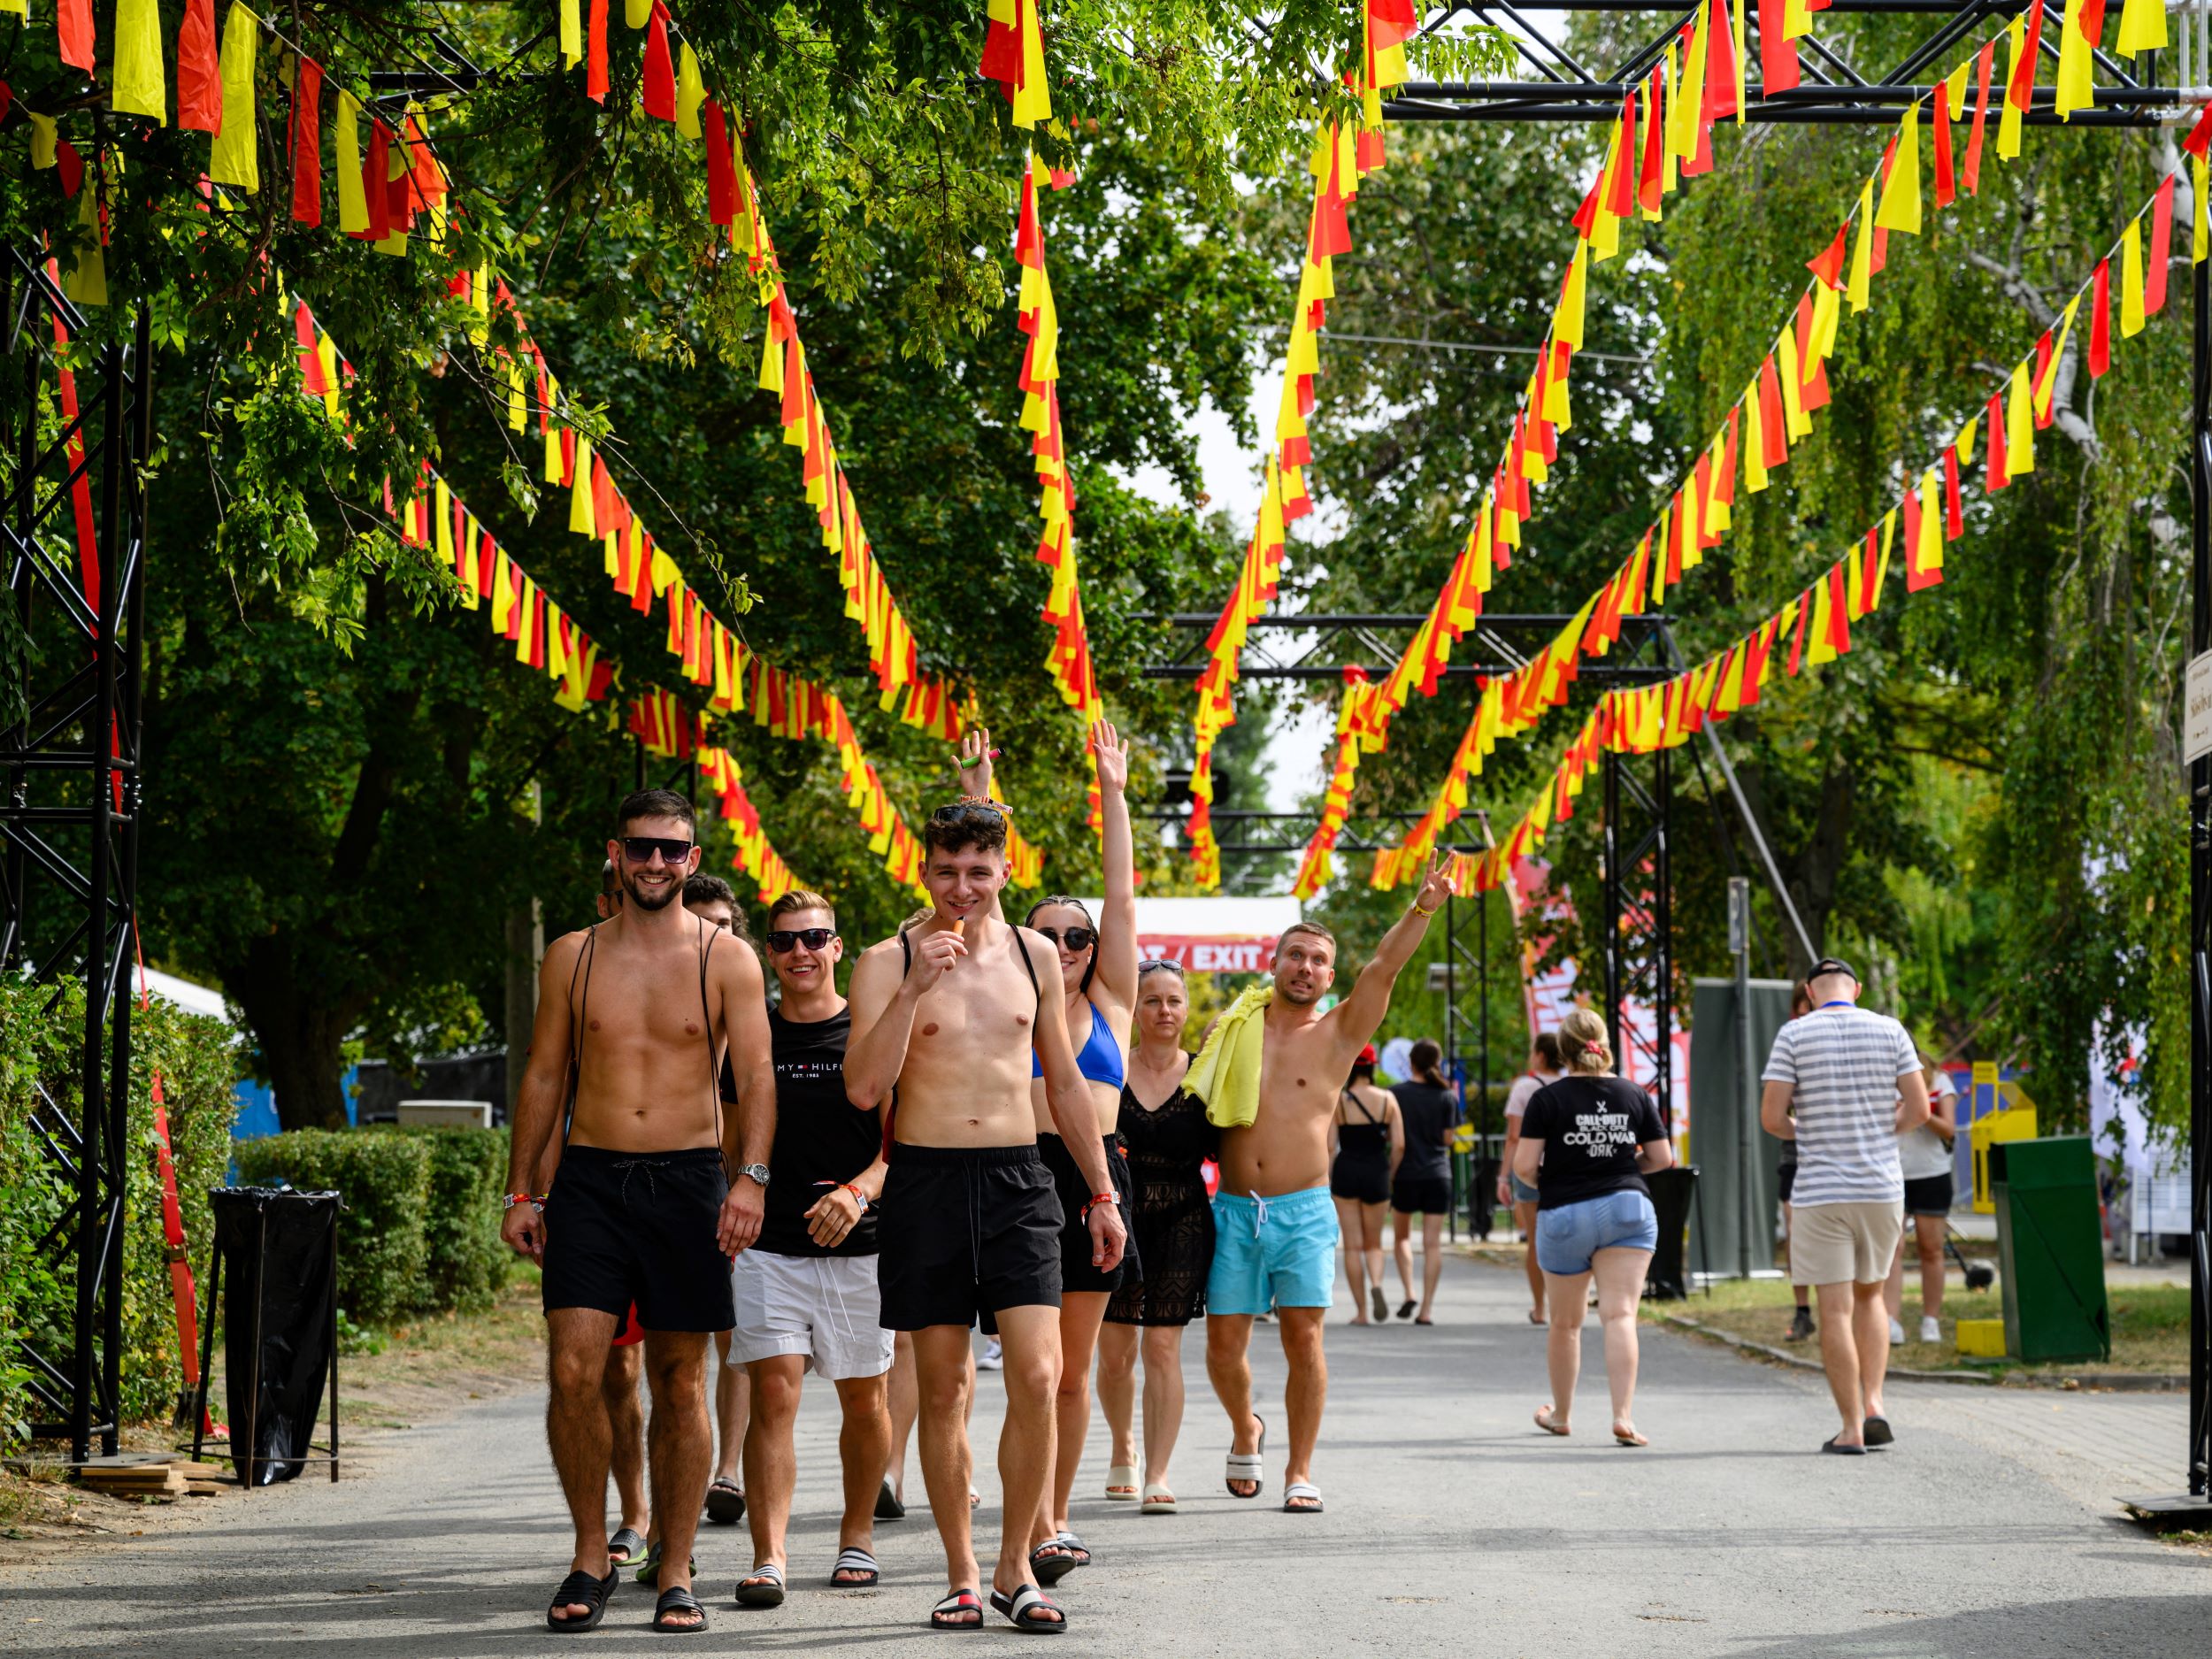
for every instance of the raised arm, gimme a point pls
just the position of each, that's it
(1360, 1014)
(882, 1005)
(543, 1094)
(1117, 918)
(749, 1130)
(1068, 1097)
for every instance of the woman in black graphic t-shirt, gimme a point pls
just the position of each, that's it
(1586, 1142)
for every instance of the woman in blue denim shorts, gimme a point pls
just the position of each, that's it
(1586, 1142)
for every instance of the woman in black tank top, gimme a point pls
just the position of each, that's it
(1371, 1138)
(1169, 1141)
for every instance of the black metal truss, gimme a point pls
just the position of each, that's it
(69, 818)
(1495, 645)
(1832, 91)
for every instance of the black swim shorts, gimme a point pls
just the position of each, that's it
(1076, 1271)
(640, 1227)
(964, 1231)
(1421, 1195)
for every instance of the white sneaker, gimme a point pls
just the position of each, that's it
(1931, 1328)
(993, 1357)
(1896, 1331)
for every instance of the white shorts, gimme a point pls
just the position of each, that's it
(823, 1307)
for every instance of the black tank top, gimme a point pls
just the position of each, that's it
(1363, 1142)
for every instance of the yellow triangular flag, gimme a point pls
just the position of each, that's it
(2132, 281)
(1900, 196)
(2142, 27)
(236, 156)
(1859, 290)
(139, 86)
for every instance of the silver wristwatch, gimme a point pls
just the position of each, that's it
(758, 1171)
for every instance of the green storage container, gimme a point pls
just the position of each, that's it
(2051, 1248)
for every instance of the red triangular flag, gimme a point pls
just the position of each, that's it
(1995, 475)
(659, 93)
(72, 31)
(721, 167)
(2101, 320)
(1828, 264)
(2161, 248)
(1946, 185)
(1797, 639)
(596, 55)
(1970, 173)
(1954, 510)
(199, 80)
(1777, 56)
(307, 140)
(2200, 140)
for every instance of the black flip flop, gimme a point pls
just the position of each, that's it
(1405, 1308)
(1019, 1610)
(887, 1505)
(726, 1504)
(1830, 1445)
(581, 1589)
(1879, 1432)
(625, 1547)
(675, 1599)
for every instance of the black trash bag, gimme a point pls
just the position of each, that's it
(280, 1251)
(1672, 1192)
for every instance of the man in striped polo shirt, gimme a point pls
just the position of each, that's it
(1844, 1082)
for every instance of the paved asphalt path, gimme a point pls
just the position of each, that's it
(1453, 1528)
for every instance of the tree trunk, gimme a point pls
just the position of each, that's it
(302, 1037)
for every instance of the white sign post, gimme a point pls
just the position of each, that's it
(2196, 723)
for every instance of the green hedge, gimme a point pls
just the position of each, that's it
(419, 1232)
(198, 1060)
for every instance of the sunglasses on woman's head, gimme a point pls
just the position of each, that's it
(639, 850)
(783, 940)
(1074, 937)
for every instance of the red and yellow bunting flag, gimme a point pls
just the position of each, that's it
(1341, 156)
(1014, 56)
(892, 651)
(1776, 406)
(1352, 725)
(1815, 627)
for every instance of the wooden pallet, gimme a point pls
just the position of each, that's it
(144, 1475)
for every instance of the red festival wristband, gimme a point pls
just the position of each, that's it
(1100, 1198)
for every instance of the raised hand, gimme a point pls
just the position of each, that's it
(975, 762)
(1113, 758)
(1437, 885)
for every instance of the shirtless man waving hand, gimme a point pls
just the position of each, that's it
(1275, 1229)
(944, 1019)
(654, 1190)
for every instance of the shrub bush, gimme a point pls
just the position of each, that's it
(196, 1057)
(383, 1243)
(468, 1173)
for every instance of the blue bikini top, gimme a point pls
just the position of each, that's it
(1098, 1059)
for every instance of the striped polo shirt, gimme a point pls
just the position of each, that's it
(1842, 1065)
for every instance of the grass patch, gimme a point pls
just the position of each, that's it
(2150, 1326)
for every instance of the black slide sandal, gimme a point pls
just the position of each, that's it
(1020, 1610)
(762, 1586)
(887, 1505)
(952, 1612)
(676, 1599)
(581, 1589)
(726, 1504)
(1053, 1568)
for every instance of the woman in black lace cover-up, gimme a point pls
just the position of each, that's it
(1168, 1138)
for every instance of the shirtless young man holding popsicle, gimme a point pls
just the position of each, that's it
(944, 1019)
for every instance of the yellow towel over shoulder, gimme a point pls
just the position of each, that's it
(1226, 1073)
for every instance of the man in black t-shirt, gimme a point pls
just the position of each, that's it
(806, 1291)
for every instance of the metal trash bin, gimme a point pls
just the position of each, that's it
(2051, 1245)
(279, 1249)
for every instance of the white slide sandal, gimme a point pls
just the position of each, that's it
(1296, 1490)
(1158, 1500)
(1121, 1483)
(1248, 1465)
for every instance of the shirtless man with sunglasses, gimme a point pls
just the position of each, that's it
(634, 1017)
(945, 1018)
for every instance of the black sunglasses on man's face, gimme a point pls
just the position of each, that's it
(784, 941)
(639, 850)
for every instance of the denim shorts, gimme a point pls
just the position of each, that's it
(1523, 1192)
(1567, 1237)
